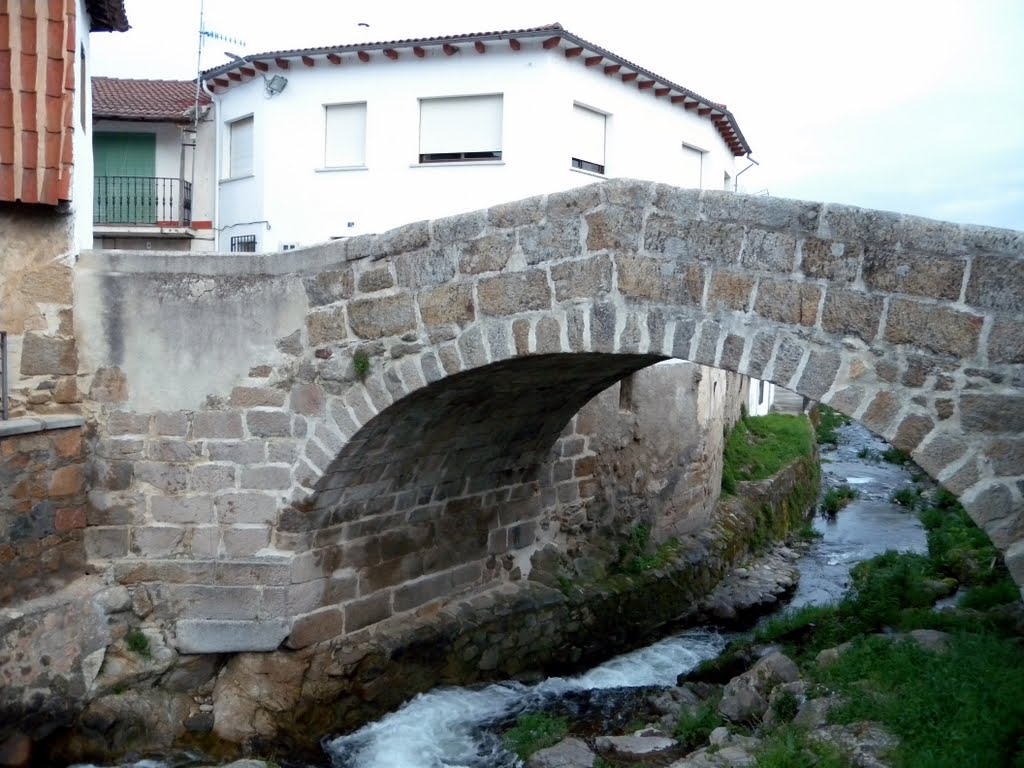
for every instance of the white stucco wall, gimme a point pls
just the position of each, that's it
(81, 146)
(303, 203)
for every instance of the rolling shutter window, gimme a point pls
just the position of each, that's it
(693, 166)
(240, 148)
(588, 139)
(460, 128)
(345, 141)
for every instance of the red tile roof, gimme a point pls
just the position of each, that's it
(151, 100)
(555, 38)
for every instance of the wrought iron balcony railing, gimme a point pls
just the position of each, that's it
(142, 200)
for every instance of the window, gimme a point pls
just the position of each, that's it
(460, 129)
(240, 148)
(588, 139)
(693, 167)
(243, 244)
(345, 135)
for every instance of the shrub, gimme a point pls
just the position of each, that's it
(837, 498)
(906, 497)
(695, 726)
(786, 705)
(829, 421)
(533, 732)
(895, 456)
(790, 747)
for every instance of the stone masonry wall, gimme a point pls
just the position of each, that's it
(42, 510)
(36, 298)
(286, 398)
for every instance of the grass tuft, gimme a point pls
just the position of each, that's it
(837, 498)
(534, 732)
(695, 726)
(829, 422)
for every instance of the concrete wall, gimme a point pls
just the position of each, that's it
(305, 203)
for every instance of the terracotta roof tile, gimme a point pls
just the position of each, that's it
(153, 100)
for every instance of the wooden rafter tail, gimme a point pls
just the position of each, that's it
(418, 52)
(308, 61)
(363, 56)
(449, 49)
(551, 42)
(678, 99)
(630, 77)
(391, 53)
(572, 53)
(480, 47)
(261, 66)
(248, 71)
(643, 85)
(692, 104)
(612, 69)
(514, 44)
(704, 111)
(334, 58)
(593, 61)
(235, 76)
(282, 63)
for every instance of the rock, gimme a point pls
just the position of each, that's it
(15, 750)
(124, 667)
(144, 720)
(568, 753)
(114, 600)
(931, 639)
(831, 655)
(634, 745)
(252, 692)
(813, 713)
(741, 702)
(867, 743)
(719, 737)
(745, 696)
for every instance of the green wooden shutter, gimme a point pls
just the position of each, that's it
(125, 171)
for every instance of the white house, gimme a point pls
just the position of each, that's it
(153, 162)
(331, 142)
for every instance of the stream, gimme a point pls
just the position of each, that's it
(460, 727)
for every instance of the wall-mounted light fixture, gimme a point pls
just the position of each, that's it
(275, 85)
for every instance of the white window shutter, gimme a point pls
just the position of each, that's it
(240, 148)
(693, 162)
(345, 135)
(460, 124)
(588, 135)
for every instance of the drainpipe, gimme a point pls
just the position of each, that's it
(736, 178)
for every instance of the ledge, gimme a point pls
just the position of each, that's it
(26, 424)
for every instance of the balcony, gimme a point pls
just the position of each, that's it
(142, 201)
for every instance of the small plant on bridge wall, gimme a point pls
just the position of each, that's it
(361, 364)
(137, 642)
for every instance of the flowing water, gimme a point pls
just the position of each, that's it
(461, 727)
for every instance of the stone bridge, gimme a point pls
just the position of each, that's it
(300, 445)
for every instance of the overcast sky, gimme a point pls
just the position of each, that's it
(908, 105)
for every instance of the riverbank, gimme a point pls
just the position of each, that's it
(879, 677)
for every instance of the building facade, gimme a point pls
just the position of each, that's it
(327, 143)
(153, 159)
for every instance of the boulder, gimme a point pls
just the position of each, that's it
(866, 743)
(568, 753)
(746, 696)
(634, 745)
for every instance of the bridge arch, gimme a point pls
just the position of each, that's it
(515, 315)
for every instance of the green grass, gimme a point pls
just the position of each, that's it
(759, 446)
(829, 421)
(869, 455)
(895, 456)
(637, 554)
(837, 498)
(982, 598)
(137, 642)
(907, 497)
(534, 732)
(959, 708)
(791, 747)
(958, 548)
(695, 727)
(361, 364)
